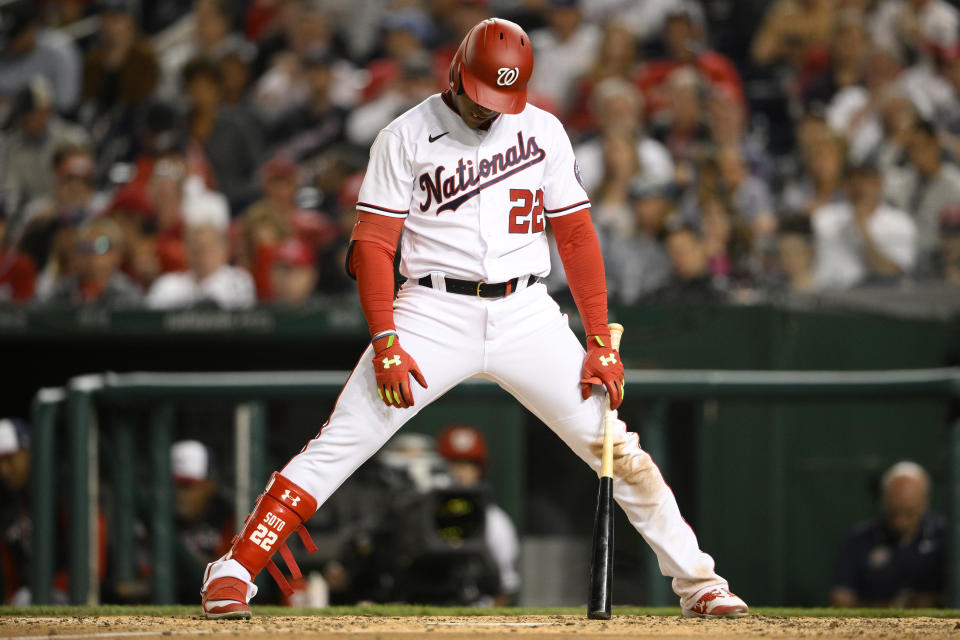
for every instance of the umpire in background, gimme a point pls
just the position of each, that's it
(897, 559)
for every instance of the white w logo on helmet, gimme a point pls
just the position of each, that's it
(506, 76)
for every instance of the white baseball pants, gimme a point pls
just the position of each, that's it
(524, 344)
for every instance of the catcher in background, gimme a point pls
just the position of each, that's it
(466, 182)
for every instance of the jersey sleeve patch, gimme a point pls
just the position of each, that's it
(384, 211)
(555, 213)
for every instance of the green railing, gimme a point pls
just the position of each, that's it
(85, 396)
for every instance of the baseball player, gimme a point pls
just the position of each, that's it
(467, 181)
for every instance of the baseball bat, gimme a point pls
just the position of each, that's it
(601, 567)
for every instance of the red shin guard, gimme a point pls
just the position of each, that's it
(280, 510)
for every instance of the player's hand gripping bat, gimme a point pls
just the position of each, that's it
(601, 566)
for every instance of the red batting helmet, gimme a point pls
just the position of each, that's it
(493, 64)
(462, 442)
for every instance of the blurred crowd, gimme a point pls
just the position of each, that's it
(176, 153)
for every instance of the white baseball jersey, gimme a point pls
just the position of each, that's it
(474, 201)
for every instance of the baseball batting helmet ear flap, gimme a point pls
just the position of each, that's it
(493, 64)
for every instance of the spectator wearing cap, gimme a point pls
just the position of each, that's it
(570, 44)
(862, 239)
(930, 184)
(97, 278)
(232, 148)
(465, 450)
(636, 261)
(950, 245)
(32, 50)
(685, 49)
(15, 523)
(209, 280)
(120, 71)
(18, 271)
(318, 124)
(897, 559)
(618, 105)
(795, 254)
(276, 218)
(27, 150)
(203, 516)
(294, 275)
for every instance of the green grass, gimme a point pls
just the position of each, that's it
(417, 610)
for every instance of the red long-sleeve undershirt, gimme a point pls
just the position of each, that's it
(579, 251)
(373, 247)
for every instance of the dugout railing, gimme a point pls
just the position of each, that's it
(85, 397)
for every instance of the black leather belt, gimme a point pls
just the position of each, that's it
(480, 289)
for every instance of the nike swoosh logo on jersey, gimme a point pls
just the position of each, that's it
(435, 138)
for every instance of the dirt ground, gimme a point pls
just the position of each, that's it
(481, 628)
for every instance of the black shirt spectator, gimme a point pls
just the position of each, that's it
(881, 569)
(897, 559)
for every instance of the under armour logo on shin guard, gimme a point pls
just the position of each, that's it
(293, 499)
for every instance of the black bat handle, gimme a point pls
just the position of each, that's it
(601, 567)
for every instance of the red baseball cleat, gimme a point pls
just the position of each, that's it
(718, 603)
(226, 598)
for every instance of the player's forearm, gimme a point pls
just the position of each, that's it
(582, 260)
(373, 247)
(373, 266)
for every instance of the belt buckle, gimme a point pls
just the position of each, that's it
(480, 284)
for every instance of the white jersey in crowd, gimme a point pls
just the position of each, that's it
(474, 201)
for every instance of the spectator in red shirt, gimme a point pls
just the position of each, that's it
(18, 272)
(293, 278)
(276, 218)
(684, 50)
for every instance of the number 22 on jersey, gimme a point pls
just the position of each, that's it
(527, 215)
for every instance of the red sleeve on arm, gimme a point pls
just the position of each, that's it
(580, 253)
(373, 244)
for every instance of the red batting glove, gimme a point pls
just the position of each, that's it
(393, 367)
(602, 365)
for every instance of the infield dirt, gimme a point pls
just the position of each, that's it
(472, 627)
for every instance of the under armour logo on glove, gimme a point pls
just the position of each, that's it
(601, 366)
(393, 367)
(294, 500)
